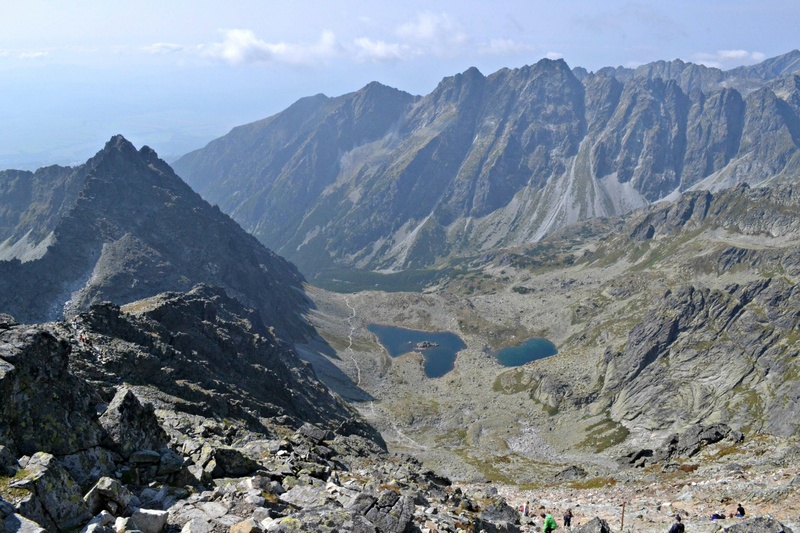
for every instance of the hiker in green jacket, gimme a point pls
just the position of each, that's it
(549, 523)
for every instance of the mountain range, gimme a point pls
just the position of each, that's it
(382, 180)
(158, 349)
(122, 227)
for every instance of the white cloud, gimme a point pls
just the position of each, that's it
(434, 33)
(33, 54)
(381, 51)
(724, 59)
(163, 48)
(554, 55)
(503, 47)
(242, 46)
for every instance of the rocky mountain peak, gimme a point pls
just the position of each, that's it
(126, 227)
(501, 159)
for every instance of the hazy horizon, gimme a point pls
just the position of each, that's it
(176, 76)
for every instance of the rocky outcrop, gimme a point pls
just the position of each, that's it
(183, 390)
(122, 227)
(699, 351)
(52, 409)
(131, 426)
(760, 524)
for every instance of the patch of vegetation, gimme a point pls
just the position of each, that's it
(348, 281)
(543, 257)
(512, 382)
(521, 290)
(593, 483)
(604, 434)
(10, 493)
(724, 451)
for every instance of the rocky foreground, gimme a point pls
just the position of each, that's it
(181, 413)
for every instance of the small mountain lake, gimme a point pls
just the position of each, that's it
(438, 349)
(530, 350)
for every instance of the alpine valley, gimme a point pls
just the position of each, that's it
(162, 369)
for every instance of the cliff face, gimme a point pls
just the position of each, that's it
(122, 227)
(378, 179)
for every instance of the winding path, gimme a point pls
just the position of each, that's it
(350, 351)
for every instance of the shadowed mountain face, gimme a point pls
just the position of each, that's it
(378, 179)
(122, 227)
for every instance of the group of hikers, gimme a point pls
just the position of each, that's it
(549, 523)
(738, 514)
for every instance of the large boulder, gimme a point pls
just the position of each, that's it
(108, 495)
(230, 462)
(697, 437)
(570, 474)
(131, 426)
(392, 512)
(43, 407)
(759, 524)
(87, 466)
(8, 463)
(149, 520)
(595, 525)
(47, 494)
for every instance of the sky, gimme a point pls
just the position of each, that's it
(175, 74)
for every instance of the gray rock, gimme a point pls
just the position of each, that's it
(7, 321)
(100, 523)
(170, 462)
(55, 498)
(324, 520)
(87, 466)
(149, 520)
(570, 474)
(313, 433)
(108, 494)
(697, 437)
(8, 463)
(246, 526)
(759, 524)
(52, 410)
(231, 462)
(595, 525)
(392, 513)
(131, 426)
(198, 525)
(16, 523)
(305, 496)
(145, 457)
(498, 517)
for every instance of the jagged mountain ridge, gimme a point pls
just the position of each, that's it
(702, 314)
(122, 227)
(498, 160)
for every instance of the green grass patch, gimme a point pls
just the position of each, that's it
(603, 435)
(348, 281)
(593, 483)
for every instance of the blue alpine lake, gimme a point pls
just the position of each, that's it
(439, 351)
(530, 350)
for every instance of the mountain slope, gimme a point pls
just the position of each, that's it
(678, 316)
(486, 161)
(121, 227)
